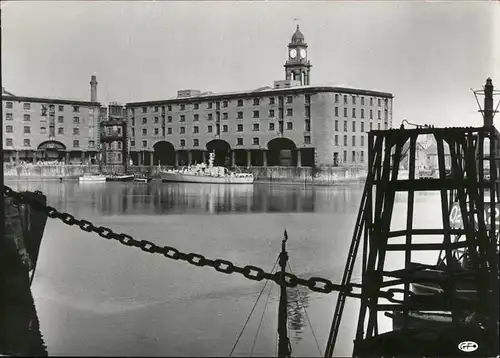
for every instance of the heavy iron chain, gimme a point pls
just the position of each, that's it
(254, 273)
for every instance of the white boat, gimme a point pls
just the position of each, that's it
(95, 178)
(202, 173)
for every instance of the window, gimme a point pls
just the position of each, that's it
(156, 120)
(196, 106)
(362, 126)
(240, 115)
(289, 99)
(27, 117)
(345, 140)
(362, 113)
(209, 129)
(196, 129)
(240, 103)
(27, 143)
(27, 106)
(60, 119)
(345, 126)
(289, 125)
(132, 121)
(209, 105)
(378, 126)
(144, 109)
(271, 126)
(308, 111)
(362, 101)
(92, 144)
(271, 113)
(362, 154)
(289, 112)
(8, 105)
(76, 120)
(119, 145)
(225, 115)
(256, 127)
(144, 120)
(76, 143)
(169, 119)
(27, 129)
(371, 113)
(354, 126)
(336, 98)
(307, 98)
(378, 114)
(239, 141)
(385, 125)
(196, 143)
(271, 100)
(371, 126)
(255, 114)
(385, 114)
(345, 99)
(133, 132)
(169, 130)
(76, 109)
(156, 131)
(256, 141)
(307, 139)
(76, 131)
(156, 109)
(371, 101)
(9, 142)
(362, 141)
(379, 103)
(336, 139)
(345, 156)
(353, 140)
(353, 99)
(210, 116)
(224, 128)
(308, 125)
(183, 107)
(183, 118)
(132, 143)
(169, 107)
(196, 117)
(144, 143)
(9, 129)
(240, 128)
(43, 130)
(354, 113)
(256, 101)
(144, 131)
(224, 104)
(353, 156)
(60, 130)
(336, 111)
(8, 116)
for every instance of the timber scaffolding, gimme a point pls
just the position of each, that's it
(442, 321)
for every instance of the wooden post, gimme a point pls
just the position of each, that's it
(283, 343)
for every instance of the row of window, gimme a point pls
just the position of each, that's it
(225, 116)
(27, 118)
(355, 155)
(225, 128)
(43, 130)
(196, 142)
(9, 142)
(379, 113)
(354, 126)
(362, 144)
(51, 107)
(225, 104)
(362, 98)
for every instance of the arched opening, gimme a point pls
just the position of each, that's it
(282, 152)
(51, 151)
(163, 153)
(222, 151)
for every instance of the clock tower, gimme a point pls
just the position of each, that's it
(297, 67)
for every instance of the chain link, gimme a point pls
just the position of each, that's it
(254, 273)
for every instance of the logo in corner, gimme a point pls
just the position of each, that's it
(468, 346)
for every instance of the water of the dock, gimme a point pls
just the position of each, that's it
(97, 297)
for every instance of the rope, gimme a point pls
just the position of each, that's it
(307, 315)
(261, 319)
(253, 308)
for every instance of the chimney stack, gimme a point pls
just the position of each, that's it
(488, 103)
(93, 89)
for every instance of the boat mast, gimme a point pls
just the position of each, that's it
(283, 342)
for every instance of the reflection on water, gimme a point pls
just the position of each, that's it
(298, 302)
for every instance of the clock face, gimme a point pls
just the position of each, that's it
(293, 53)
(303, 53)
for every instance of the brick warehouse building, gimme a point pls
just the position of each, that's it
(292, 123)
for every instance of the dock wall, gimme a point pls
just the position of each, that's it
(306, 175)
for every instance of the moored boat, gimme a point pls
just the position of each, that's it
(92, 178)
(142, 179)
(120, 177)
(202, 173)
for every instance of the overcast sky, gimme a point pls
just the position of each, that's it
(427, 54)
